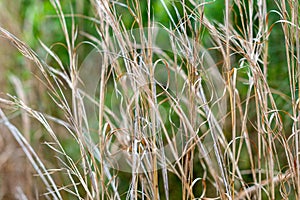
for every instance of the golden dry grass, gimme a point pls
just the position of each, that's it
(190, 101)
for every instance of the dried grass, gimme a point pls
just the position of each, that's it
(122, 117)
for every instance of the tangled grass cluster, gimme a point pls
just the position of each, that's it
(137, 108)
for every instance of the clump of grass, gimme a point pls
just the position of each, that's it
(190, 101)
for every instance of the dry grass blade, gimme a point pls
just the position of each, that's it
(33, 158)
